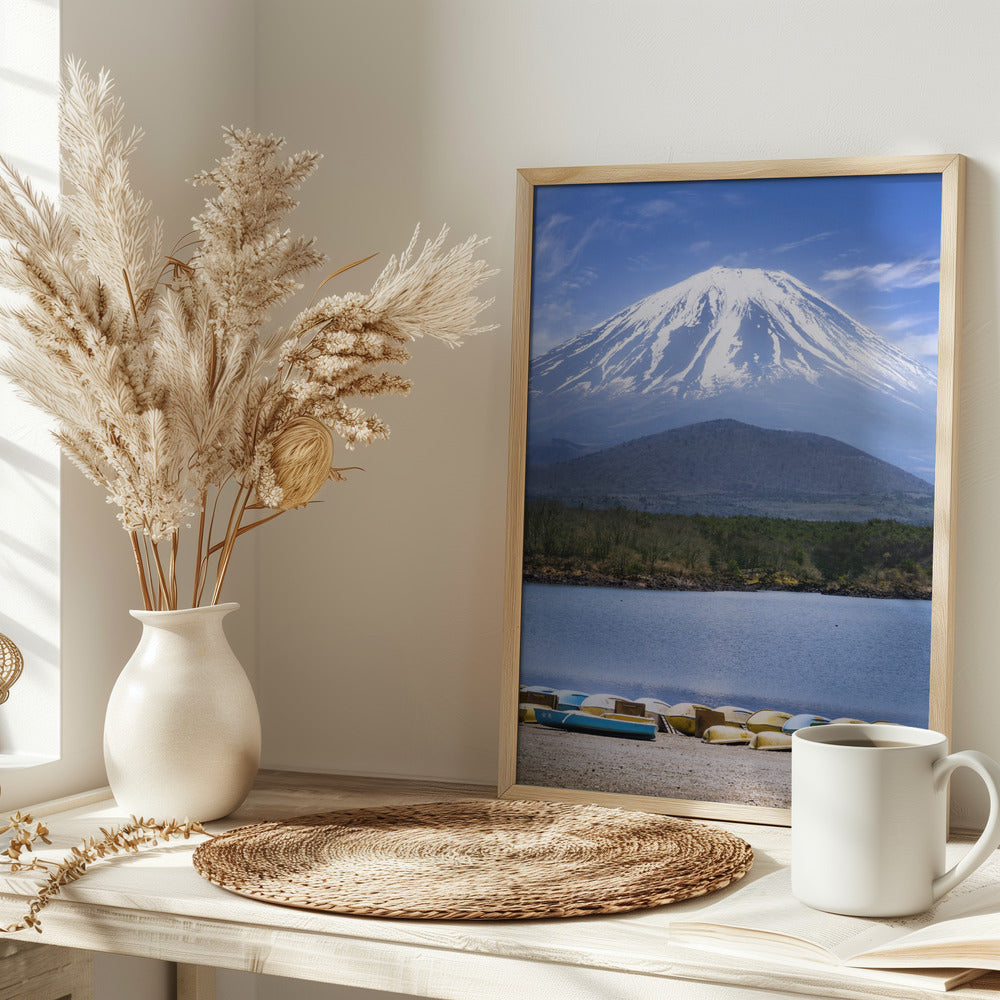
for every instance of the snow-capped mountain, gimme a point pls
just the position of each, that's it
(747, 344)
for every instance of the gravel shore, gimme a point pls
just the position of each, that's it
(671, 766)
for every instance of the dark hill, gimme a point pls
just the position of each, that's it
(725, 467)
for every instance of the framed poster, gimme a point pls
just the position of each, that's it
(731, 472)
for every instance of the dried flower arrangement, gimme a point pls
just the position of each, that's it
(164, 389)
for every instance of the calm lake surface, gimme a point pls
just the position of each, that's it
(834, 656)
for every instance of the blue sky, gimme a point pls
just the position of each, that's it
(871, 245)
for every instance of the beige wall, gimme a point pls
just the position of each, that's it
(380, 612)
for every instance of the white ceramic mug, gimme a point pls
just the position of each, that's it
(869, 818)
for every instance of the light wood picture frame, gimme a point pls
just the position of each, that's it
(731, 472)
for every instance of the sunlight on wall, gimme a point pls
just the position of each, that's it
(29, 458)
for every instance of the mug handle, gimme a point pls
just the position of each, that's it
(989, 839)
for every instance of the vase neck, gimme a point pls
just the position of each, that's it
(186, 619)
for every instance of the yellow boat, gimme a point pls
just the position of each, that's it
(682, 717)
(767, 721)
(769, 739)
(848, 722)
(727, 735)
(735, 716)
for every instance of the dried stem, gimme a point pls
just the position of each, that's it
(247, 527)
(141, 569)
(163, 590)
(211, 527)
(340, 271)
(131, 297)
(174, 543)
(201, 540)
(232, 532)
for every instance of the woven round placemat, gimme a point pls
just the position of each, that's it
(475, 860)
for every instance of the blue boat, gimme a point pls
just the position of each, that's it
(570, 700)
(600, 725)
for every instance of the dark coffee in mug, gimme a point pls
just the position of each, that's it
(862, 742)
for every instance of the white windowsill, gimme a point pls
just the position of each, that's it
(8, 761)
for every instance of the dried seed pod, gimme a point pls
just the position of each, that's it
(301, 457)
(11, 663)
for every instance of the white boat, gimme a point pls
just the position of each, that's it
(658, 711)
(654, 706)
(601, 704)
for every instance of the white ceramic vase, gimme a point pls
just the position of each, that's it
(182, 731)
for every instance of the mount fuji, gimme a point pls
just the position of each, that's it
(752, 345)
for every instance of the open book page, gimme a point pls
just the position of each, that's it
(788, 926)
(780, 925)
(967, 941)
(979, 893)
(964, 926)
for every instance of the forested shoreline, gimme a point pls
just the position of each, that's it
(635, 549)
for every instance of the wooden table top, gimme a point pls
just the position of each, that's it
(156, 905)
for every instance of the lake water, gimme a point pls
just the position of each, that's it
(833, 656)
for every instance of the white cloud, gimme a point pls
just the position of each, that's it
(915, 273)
(580, 278)
(785, 247)
(907, 324)
(640, 262)
(554, 322)
(919, 345)
(656, 208)
(556, 250)
(915, 334)
(735, 259)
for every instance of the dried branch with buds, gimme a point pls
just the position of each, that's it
(25, 831)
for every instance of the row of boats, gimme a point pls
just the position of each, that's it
(642, 718)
